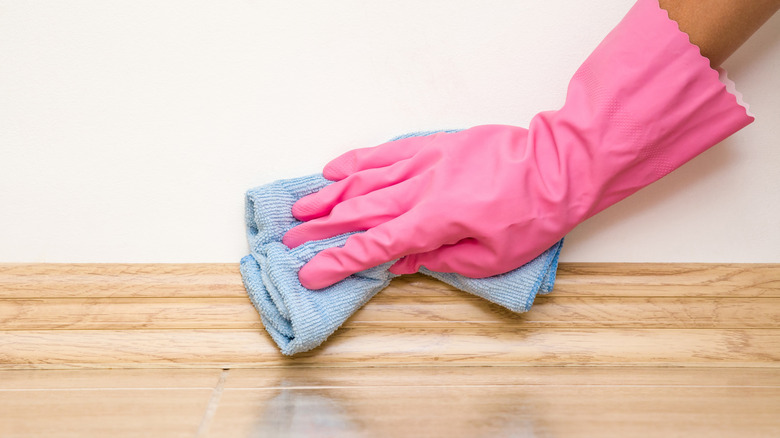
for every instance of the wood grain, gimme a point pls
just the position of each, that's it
(199, 316)
(102, 412)
(635, 280)
(410, 375)
(128, 314)
(668, 279)
(567, 311)
(54, 280)
(615, 350)
(172, 378)
(223, 280)
(395, 311)
(464, 411)
(378, 346)
(393, 401)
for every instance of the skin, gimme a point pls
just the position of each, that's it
(719, 27)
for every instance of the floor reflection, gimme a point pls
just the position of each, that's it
(392, 402)
(296, 411)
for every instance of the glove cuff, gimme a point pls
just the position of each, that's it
(641, 105)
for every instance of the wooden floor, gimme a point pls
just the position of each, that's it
(615, 350)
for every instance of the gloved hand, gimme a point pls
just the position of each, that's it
(486, 200)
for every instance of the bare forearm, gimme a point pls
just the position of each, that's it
(719, 27)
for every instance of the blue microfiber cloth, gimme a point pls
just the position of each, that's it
(299, 319)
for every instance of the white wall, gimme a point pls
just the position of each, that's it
(130, 130)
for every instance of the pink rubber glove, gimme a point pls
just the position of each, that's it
(486, 200)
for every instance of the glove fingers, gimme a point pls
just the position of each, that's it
(403, 235)
(357, 214)
(468, 257)
(321, 203)
(374, 157)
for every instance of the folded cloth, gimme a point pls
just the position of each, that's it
(300, 319)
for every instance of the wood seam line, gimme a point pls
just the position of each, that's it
(518, 386)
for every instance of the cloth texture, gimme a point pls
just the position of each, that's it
(300, 319)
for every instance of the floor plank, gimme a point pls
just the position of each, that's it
(394, 401)
(566, 311)
(173, 378)
(668, 279)
(177, 350)
(320, 377)
(102, 412)
(635, 280)
(210, 280)
(242, 348)
(128, 314)
(153, 280)
(464, 411)
(395, 311)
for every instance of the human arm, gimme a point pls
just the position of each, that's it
(485, 200)
(719, 27)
